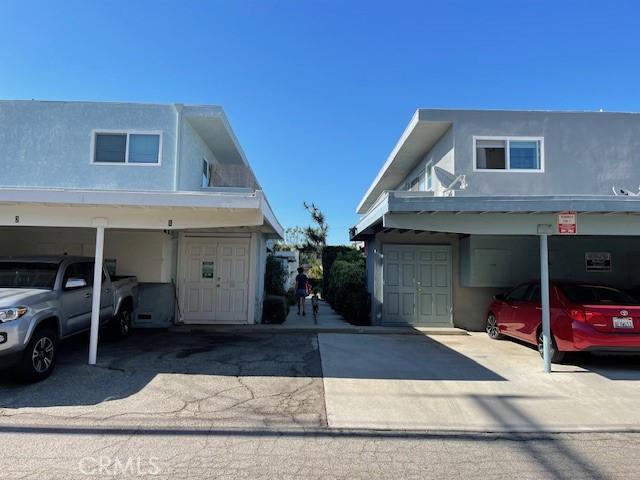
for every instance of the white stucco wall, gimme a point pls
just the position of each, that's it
(441, 155)
(149, 255)
(48, 144)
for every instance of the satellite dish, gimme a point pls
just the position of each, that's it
(624, 192)
(449, 181)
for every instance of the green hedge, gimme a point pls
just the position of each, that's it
(275, 277)
(274, 309)
(346, 287)
(329, 255)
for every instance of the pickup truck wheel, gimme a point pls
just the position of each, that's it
(122, 323)
(39, 357)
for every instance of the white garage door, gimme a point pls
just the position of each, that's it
(417, 284)
(215, 280)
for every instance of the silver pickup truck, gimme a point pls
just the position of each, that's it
(46, 299)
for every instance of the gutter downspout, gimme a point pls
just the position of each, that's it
(176, 166)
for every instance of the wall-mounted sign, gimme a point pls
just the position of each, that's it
(207, 269)
(598, 261)
(567, 223)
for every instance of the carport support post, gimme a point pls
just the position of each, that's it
(544, 294)
(97, 289)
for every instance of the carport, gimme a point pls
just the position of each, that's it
(226, 212)
(482, 225)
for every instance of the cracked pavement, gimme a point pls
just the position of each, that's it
(171, 406)
(165, 380)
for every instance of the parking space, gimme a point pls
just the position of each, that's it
(345, 381)
(472, 383)
(154, 378)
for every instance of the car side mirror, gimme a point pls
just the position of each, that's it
(75, 283)
(500, 297)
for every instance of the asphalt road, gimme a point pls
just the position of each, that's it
(249, 406)
(196, 453)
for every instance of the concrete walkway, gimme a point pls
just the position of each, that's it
(328, 322)
(326, 317)
(472, 383)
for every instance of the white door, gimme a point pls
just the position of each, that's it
(417, 284)
(233, 281)
(215, 280)
(199, 267)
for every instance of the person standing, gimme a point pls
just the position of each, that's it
(301, 290)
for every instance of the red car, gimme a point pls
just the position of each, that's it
(584, 317)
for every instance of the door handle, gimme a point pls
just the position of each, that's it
(87, 295)
(108, 290)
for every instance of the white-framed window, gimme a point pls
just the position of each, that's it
(142, 148)
(429, 177)
(416, 183)
(206, 173)
(508, 154)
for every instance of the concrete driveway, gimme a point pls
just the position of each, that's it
(160, 379)
(281, 380)
(471, 383)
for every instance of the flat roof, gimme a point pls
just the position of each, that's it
(426, 127)
(423, 203)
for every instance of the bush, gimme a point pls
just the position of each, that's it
(329, 255)
(275, 277)
(347, 289)
(291, 297)
(274, 309)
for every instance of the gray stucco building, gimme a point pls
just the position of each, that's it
(453, 215)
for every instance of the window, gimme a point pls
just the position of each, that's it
(508, 154)
(429, 177)
(83, 271)
(28, 275)
(519, 293)
(127, 148)
(416, 184)
(597, 295)
(206, 173)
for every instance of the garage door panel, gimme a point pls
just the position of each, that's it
(417, 287)
(441, 256)
(408, 300)
(408, 274)
(426, 304)
(442, 304)
(426, 275)
(392, 304)
(392, 272)
(441, 275)
(193, 303)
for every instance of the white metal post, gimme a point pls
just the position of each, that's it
(95, 299)
(544, 294)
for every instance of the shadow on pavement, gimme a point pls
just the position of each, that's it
(126, 367)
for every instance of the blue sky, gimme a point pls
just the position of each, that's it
(318, 92)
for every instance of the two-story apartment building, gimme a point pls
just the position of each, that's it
(468, 200)
(164, 191)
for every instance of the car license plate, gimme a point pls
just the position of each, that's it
(622, 322)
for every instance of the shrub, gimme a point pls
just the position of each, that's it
(329, 255)
(347, 289)
(275, 277)
(291, 297)
(274, 309)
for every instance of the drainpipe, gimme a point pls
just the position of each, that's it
(176, 169)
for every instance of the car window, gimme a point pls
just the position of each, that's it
(83, 271)
(28, 275)
(519, 293)
(534, 295)
(597, 295)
